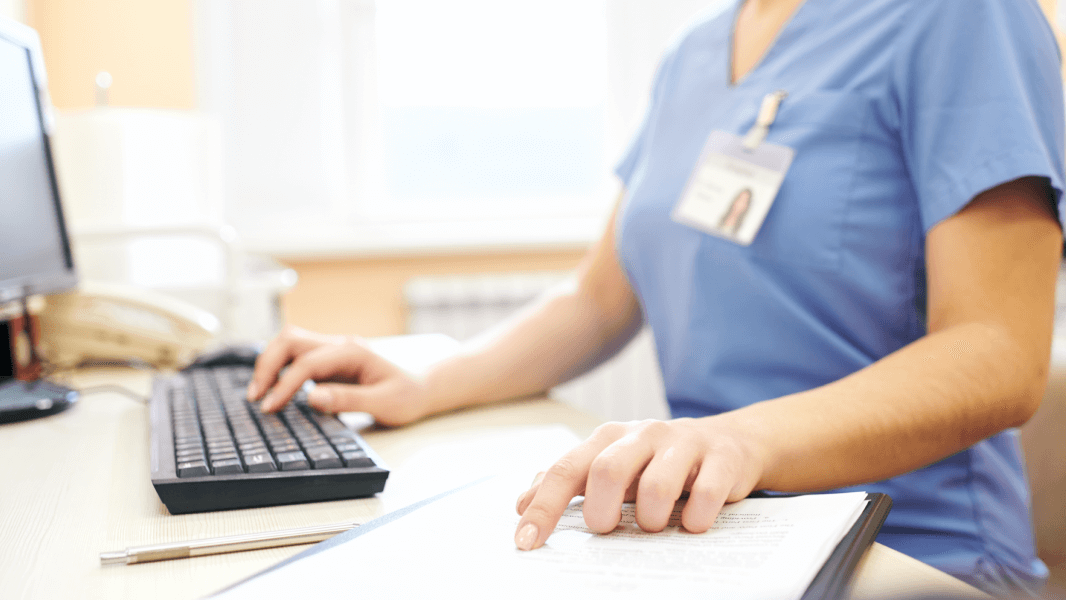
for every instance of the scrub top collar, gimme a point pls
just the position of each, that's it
(789, 29)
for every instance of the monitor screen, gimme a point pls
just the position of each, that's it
(34, 251)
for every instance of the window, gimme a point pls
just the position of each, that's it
(355, 123)
(490, 106)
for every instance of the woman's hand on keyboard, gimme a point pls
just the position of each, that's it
(348, 376)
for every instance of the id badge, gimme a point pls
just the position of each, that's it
(733, 187)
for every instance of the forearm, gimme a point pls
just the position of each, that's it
(557, 339)
(982, 368)
(561, 337)
(927, 401)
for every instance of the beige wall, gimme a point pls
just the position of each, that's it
(146, 45)
(365, 297)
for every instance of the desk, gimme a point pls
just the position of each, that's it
(77, 484)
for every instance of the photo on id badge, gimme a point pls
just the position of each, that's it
(732, 188)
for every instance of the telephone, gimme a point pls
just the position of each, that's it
(108, 322)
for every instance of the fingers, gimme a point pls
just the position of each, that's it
(290, 343)
(661, 485)
(611, 475)
(271, 360)
(324, 362)
(340, 397)
(527, 496)
(653, 462)
(389, 401)
(707, 496)
(355, 379)
(564, 480)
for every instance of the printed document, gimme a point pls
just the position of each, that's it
(461, 545)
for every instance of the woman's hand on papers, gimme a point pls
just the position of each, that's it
(652, 463)
(348, 376)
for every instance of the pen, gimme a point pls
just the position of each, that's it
(222, 545)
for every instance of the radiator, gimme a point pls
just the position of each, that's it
(627, 387)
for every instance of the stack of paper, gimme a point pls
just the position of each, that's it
(461, 545)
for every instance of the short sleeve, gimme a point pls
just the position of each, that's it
(981, 101)
(626, 167)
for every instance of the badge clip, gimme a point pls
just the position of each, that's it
(767, 114)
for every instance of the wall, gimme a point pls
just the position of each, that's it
(145, 45)
(13, 9)
(365, 297)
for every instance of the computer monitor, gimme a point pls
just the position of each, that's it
(34, 247)
(35, 256)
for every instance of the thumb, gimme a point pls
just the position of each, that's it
(340, 397)
(391, 403)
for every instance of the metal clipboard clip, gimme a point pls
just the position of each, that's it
(767, 113)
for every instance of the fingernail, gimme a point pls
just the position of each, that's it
(268, 402)
(320, 399)
(253, 391)
(527, 536)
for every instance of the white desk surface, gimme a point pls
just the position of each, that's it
(77, 484)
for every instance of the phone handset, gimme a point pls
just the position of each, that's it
(108, 322)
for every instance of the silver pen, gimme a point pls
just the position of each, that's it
(221, 545)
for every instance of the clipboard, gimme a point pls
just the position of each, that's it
(830, 582)
(833, 579)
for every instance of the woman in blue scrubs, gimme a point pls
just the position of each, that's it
(886, 328)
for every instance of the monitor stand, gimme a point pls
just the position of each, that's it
(25, 395)
(22, 400)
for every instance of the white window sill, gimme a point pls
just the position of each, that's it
(365, 240)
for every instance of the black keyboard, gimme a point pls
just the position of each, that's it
(211, 449)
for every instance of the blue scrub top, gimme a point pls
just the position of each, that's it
(900, 112)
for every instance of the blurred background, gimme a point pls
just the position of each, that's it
(360, 143)
(376, 167)
(370, 167)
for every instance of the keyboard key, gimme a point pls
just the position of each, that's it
(330, 425)
(285, 447)
(193, 469)
(292, 461)
(227, 467)
(259, 462)
(276, 437)
(323, 457)
(313, 440)
(357, 459)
